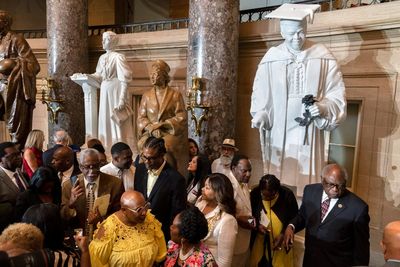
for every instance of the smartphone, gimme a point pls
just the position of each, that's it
(76, 183)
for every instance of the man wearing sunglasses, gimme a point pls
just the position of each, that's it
(336, 223)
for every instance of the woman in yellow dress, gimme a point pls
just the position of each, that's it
(273, 206)
(131, 236)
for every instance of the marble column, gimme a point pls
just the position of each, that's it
(67, 37)
(213, 56)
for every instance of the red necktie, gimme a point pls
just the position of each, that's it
(324, 207)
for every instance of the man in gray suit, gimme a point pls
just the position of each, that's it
(12, 182)
(391, 244)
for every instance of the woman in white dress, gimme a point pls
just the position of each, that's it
(218, 205)
(114, 74)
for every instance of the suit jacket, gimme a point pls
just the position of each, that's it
(8, 197)
(107, 185)
(168, 196)
(342, 239)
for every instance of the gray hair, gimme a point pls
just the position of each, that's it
(88, 152)
(61, 137)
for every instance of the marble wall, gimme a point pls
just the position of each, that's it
(366, 42)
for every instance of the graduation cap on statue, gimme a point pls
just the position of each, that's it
(294, 12)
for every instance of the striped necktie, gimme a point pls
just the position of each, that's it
(89, 207)
(324, 207)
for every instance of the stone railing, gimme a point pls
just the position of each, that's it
(121, 28)
(249, 15)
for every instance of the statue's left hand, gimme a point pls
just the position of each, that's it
(315, 110)
(121, 104)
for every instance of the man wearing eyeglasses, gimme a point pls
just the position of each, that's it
(336, 223)
(77, 206)
(161, 185)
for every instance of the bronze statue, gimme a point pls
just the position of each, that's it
(18, 70)
(162, 114)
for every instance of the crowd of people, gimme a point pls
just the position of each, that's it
(77, 209)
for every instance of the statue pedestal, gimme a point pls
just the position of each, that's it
(89, 85)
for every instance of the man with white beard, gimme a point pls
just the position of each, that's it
(223, 163)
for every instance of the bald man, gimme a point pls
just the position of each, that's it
(131, 236)
(63, 163)
(391, 244)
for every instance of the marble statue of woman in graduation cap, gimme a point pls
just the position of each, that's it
(298, 93)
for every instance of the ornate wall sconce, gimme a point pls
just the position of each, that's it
(53, 104)
(197, 103)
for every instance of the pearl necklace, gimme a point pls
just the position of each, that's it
(184, 257)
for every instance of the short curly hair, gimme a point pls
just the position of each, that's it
(23, 235)
(193, 226)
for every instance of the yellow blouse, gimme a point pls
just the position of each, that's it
(123, 245)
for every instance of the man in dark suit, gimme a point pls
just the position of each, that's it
(12, 182)
(336, 223)
(60, 138)
(160, 184)
(391, 244)
(74, 206)
(63, 163)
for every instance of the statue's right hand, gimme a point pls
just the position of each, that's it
(260, 121)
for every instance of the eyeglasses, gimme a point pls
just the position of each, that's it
(146, 206)
(91, 166)
(332, 185)
(144, 158)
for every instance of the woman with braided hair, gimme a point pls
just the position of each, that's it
(185, 248)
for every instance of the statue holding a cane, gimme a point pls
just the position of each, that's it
(298, 93)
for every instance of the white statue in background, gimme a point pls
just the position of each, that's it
(115, 114)
(292, 132)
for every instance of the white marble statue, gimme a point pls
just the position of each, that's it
(287, 73)
(115, 115)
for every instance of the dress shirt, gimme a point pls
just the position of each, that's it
(127, 175)
(65, 175)
(217, 166)
(332, 203)
(10, 174)
(152, 178)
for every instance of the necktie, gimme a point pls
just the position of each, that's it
(120, 174)
(61, 175)
(89, 207)
(20, 184)
(324, 207)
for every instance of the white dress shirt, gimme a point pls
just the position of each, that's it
(127, 175)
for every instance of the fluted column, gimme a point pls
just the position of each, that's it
(67, 35)
(213, 56)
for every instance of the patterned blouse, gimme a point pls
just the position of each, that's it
(200, 257)
(123, 245)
